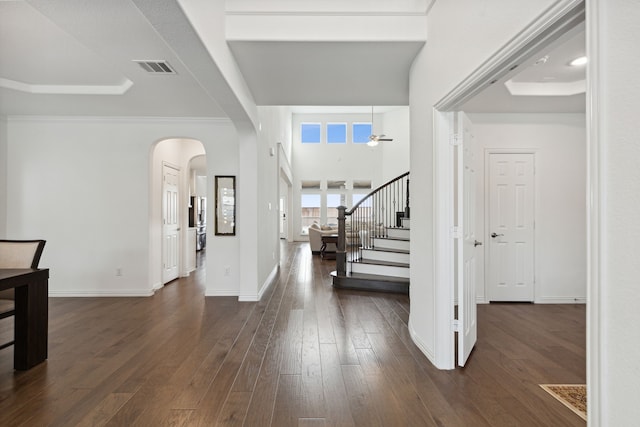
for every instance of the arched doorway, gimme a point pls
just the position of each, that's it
(173, 185)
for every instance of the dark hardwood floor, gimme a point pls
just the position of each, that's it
(306, 355)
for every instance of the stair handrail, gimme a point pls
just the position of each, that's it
(341, 247)
(350, 212)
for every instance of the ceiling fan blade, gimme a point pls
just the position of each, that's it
(379, 138)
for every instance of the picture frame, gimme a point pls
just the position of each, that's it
(225, 198)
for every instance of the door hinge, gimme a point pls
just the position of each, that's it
(456, 232)
(455, 325)
(455, 139)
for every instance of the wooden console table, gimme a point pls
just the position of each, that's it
(328, 238)
(32, 314)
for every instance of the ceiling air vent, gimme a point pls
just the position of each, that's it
(155, 67)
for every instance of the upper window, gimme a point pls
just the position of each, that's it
(310, 133)
(361, 132)
(337, 133)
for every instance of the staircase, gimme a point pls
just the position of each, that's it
(373, 241)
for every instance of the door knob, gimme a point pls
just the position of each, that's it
(494, 235)
(476, 243)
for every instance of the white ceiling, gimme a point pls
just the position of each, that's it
(545, 76)
(70, 50)
(75, 57)
(327, 73)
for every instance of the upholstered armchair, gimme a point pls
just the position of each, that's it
(315, 237)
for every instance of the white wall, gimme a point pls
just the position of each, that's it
(615, 293)
(83, 184)
(223, 81)
(3, 176)
(451, 54)
(274, 128)
(559, 142)
(395, 154)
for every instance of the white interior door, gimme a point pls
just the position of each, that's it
(170, 224)
(468, 243)
(511, 227)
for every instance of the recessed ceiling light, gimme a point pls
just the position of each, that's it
(578, 61)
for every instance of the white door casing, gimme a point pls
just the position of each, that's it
(510, 226)
(283, 217)
(170, 223)
(468, 243)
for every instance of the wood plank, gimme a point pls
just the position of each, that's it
(312, 422)
(288, 401)
(178, 358)
(338, 411)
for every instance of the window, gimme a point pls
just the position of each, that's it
(361, 187)
(310, 184)
(361, 133)
(365, 207)
(333, 201)
(333, 185)
(310, 133)
(309, 210)
(336, 133)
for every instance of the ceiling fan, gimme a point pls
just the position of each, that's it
(375, 139)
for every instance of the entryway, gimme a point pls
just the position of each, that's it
(178, 174)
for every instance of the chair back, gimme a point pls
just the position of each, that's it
(20, 253)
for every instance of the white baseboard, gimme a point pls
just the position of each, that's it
(270, 280)
(157, 286)
(267, 283)
(187, 273)
(418, 342)
(221, 293)
(561, 300)
(100, 293)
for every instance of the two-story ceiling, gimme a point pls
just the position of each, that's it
(88, 58)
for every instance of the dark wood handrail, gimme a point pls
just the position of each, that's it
(349, 212)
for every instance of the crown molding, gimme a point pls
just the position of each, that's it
(120, 89)
(120, 119)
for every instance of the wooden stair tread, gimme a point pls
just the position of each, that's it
(395, 251)
(380, 262)
(368, 276)
(371, 282)
(402, 239)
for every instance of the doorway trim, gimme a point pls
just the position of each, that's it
(555, 21)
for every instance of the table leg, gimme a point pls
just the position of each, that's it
(31, 323)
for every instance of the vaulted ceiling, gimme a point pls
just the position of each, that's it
(77, 57)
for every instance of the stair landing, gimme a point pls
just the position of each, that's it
(371, 282)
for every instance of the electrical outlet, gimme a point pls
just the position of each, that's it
(227, 271)
(119, 271)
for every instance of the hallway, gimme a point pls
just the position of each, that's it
(305, 355)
